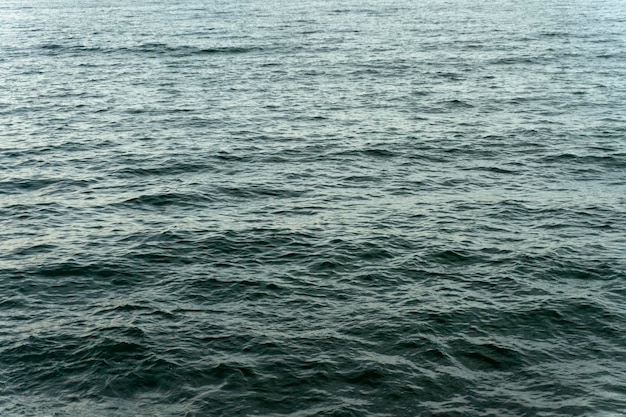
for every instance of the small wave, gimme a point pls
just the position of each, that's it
(260, 191)
(226, 50)
(368, 152)
(37, 249)
(165, 169)
(179, 51)
(54, 49)
(161, 200)
(372, 377)
(453, 76)
(453, 257)
(555, 34)
(492, 169)
(33, 211)
(613, 161)
(35, 184)
(486, 356)
(148, 49)
(458, 104)
(515, 60)
(85, 271)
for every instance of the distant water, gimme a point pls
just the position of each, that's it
(312, 208)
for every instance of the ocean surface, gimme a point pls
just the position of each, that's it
(312, 208)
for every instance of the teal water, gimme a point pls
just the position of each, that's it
(328, 208)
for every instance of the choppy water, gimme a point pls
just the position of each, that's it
(328, 208)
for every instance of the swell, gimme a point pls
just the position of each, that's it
(296, 333)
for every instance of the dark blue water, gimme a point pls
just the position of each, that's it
(315, 208)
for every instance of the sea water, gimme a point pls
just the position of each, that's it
(312, 208)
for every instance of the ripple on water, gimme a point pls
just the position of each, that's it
(264, 209)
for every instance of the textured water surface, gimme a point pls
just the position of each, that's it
(316, 208)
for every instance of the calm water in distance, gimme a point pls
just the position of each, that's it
(313, 208)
